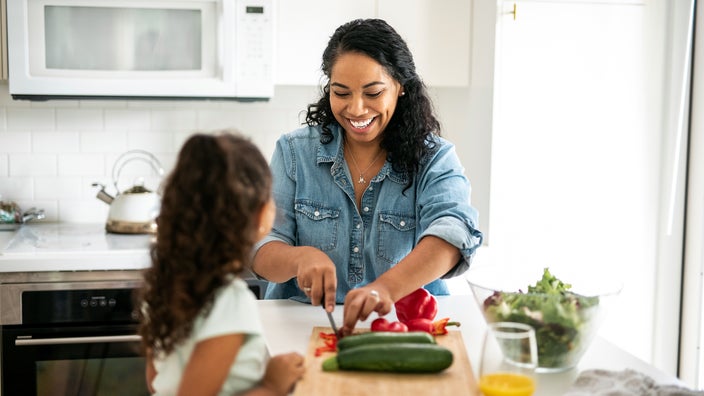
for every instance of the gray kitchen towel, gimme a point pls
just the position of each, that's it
(623, 383)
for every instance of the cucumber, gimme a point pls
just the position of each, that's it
(394, 357)
(384, 337)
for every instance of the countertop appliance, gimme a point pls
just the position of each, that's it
(134, 210)
(185, 49)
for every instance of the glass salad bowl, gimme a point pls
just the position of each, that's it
(565, 310)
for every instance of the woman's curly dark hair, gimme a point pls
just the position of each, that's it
(207, 227)
(408, 136)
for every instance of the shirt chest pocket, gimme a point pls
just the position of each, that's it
(396, 236)
(317, 225)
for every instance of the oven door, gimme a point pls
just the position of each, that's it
(71, 360)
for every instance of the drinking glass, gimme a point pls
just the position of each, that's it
(508, 360)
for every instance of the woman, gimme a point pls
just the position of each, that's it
(372, 201)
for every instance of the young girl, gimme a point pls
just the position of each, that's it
(200, 326)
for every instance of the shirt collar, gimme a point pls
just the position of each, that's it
(333, 152)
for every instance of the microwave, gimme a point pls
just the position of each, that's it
(141, 49)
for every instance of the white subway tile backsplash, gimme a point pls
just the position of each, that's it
(57, 142)
(102, 104)
(81, 164)
(103, 142)
(33, 165)
(31, 119)
(16, 188)
(153, 142)
(55, 104)
(15, 142)
(51, 188)
(82, 211)
(126, 120)
(173, 120)
(51, 152)
(79, 119)
(210, 120)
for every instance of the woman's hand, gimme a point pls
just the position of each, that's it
(361, 302)
(316, 276)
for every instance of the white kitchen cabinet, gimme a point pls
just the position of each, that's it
(438, 34)
(303, 30)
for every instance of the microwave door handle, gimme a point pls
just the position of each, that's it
(78, 340)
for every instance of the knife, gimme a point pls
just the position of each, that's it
(332, 321)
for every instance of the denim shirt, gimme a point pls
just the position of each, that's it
(315, 201)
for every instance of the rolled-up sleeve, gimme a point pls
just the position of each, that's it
(444, 206)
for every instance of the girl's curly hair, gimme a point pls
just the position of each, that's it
(408, 136)
(207, 227)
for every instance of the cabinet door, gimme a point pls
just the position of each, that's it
(438, 34)
(303, 30)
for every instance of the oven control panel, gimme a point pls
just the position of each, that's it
(78, 306)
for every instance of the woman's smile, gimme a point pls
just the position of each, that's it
(361, 125)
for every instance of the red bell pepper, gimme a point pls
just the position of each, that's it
(419, 304)
(381, 324)
(439, 327)
(329, 343)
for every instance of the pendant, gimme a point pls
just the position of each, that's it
(361, 180)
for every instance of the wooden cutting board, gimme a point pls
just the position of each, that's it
(458, 379)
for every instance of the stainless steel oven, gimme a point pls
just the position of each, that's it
(73, 333)
(70, 334)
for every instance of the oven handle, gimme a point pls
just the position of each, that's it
(78, 340)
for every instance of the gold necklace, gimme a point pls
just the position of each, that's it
(361, 179)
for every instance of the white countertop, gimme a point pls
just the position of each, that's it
(71, 247)
(288, 326)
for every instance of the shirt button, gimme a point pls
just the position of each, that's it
(359, 225)
(371, 188)
(366, 208)
(402, 223)
(356, 249)
(316, 213)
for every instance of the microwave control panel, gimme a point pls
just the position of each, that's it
(255, 44)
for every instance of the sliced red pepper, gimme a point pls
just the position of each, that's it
(381, 324)
(419, 304)
(330, 343)
(439, 327)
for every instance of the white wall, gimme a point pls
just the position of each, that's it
(51, 152)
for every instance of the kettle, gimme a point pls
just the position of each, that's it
(134, 210)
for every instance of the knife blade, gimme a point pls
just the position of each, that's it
(332, 321)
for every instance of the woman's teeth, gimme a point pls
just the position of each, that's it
(361, 124)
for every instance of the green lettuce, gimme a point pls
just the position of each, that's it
(560, 318)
